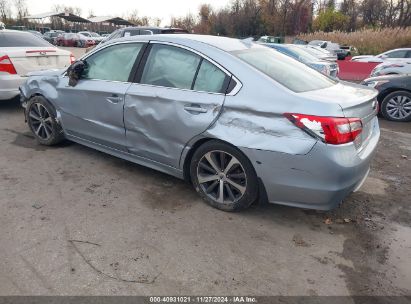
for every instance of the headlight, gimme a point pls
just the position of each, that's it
(326, 70)
(320, 68)
(375, 84)
(375, 71)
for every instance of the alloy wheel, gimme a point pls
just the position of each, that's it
(399, 107)
(40, 121)
(222, 177)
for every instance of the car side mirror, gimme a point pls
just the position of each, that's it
(75, 71)
(383, 56)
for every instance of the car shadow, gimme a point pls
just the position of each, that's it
(157, 193)
(11, 105)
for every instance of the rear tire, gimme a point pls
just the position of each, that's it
(223, 176)
(41, 118)
(397, 106)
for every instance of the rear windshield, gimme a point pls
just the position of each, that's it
(289, 72)
(8, 39)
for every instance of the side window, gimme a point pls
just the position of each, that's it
(147, 32)
(210, 79)
(408, 54)
(129, 33)
(170, 66)
(397, 54)
(113, 63)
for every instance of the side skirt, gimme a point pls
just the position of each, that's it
(128, 156)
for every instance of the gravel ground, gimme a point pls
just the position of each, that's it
(75, 221)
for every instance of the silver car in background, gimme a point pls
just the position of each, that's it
(400, 67)
(318, 52)
(323, 66)
(238, 120)
(331, 47)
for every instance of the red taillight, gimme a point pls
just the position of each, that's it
(331, 130)
(6, 65)
(72, 59)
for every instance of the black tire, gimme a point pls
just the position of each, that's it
(41, 118)
(241, 173)
(397, 100)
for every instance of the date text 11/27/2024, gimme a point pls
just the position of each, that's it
(239, 299)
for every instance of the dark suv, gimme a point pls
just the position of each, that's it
(143, 30)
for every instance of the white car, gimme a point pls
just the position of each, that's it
(2, 26)
(22, 53)
(392, 68)
(392, 55)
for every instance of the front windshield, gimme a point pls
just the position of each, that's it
(292, 74)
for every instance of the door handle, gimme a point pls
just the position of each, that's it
(195, 109)
(114, 98)
(147, 94)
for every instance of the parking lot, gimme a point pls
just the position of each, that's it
(75, 221)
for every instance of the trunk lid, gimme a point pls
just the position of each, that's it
(30, 59)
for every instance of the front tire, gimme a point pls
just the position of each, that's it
(223, 176)
(397, 106)
(42, 122)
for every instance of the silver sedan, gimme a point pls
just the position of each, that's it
(238, 120)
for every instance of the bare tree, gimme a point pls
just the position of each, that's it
(91, 14)
(5, 12)
(188, 22)
(133, 17)
(21, 8)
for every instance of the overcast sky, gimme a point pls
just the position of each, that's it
(164, 9)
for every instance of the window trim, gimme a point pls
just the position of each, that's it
(229, 75)
(133, 69)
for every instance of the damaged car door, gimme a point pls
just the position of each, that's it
(177, 95)
(92, 110)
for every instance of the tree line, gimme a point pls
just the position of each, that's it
(244, 18)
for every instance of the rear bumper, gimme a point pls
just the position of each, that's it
(318, 180)
(9, 86)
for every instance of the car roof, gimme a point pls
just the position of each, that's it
(13, 31)
(223, 43)
(399, 49)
